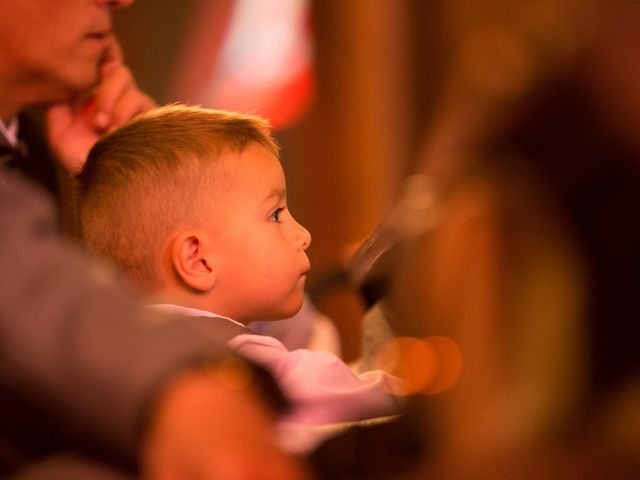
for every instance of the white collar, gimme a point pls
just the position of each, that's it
(188, 311)
(10, 131)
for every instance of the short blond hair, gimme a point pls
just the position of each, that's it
(143, 180)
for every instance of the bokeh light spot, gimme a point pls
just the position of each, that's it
(449, 364)
(411, 359)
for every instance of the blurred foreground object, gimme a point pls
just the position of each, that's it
(531, 267)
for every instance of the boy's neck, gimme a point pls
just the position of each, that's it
(198, 302)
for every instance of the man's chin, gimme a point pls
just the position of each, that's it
(83, 84)
(79, 82)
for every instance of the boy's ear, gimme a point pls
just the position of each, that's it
(191, 260)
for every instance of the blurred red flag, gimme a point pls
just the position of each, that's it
(251, 56)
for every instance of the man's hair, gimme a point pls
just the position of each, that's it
(144, 179)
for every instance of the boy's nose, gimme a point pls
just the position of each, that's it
(306, 238)
(301, 236)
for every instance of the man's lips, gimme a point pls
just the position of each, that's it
(100, 35)
(100, 40)
(100, 30)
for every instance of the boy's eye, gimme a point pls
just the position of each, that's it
(276, 215)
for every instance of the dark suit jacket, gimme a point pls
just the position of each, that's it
(79, 360)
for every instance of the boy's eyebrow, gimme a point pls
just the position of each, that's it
(278, 193)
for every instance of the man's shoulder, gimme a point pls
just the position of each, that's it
(23, 200)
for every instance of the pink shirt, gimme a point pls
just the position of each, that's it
(322, 388)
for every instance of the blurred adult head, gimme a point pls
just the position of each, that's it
(51, 50)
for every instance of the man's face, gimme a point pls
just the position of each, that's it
(260, 262)
(52, 49)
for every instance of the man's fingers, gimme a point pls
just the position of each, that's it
(59, 115)
(112, 86)
(112, 56)
(117, 97)
(128, 105)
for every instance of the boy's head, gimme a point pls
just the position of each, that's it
(191, 204)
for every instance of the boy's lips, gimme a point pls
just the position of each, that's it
(303, 275)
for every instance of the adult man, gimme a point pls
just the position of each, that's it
(82, 367)
(62, 55)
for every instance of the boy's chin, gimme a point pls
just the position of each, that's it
(282, 310)
(284, 313)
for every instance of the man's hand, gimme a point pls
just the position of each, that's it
(74, 127)
(202, 429)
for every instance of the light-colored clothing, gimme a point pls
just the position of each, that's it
(9, 131)
(322, 388)
(309, 328)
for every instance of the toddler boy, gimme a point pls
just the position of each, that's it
(191, 204)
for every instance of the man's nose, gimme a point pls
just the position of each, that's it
(114, 3)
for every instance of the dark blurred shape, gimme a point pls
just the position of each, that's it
(592, 177)
(391, 449)
(413, 213)
(532, 265)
